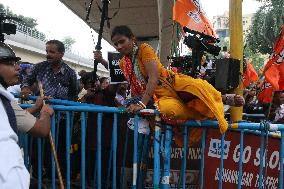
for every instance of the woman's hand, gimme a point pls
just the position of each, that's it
(133, 108)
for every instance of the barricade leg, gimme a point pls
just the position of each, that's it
(68, 141)
(185, 140)
(165, 182)
(221, 162)
(135, 152)
(144, 161)
(83, 150)
(109, 163)
(52, 156)
(112, 156)
(114, 150)
(26, 158)
(99, 150)
(124, 157)
(281, 160)
(262, 153)
(241, 160)
(39, 163)
(57, 130)
(140, 146)
(156, 175)
(202, 158)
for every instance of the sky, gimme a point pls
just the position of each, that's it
(48, 14)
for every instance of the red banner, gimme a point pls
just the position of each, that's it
(251, 161)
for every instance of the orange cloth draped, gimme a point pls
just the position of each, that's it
(208, 105)
(189, 13)
(274, 69)
(250, 75)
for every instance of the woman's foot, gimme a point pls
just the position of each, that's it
(233, 100)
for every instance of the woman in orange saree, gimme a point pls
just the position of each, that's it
(178, 97)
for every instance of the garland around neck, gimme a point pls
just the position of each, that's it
(135, 64)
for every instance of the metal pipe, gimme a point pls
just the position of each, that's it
(83, 150)
(135, 152)
(99, 150)
(241, 160)
(68, 141)
(202, 158)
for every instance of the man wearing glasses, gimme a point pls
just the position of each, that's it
(13, 173)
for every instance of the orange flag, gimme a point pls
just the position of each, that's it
(189, 13)
(274, 68)
(265, 94)
(250, 75)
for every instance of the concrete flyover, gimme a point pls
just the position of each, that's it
(30, 46)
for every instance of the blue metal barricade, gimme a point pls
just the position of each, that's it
(161, 177)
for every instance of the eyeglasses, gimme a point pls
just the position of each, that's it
(9, 62)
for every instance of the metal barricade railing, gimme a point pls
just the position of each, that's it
(207, 124)
(161, 178)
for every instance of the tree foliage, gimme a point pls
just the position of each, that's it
(266, 26)
(68, 42)
(27, 21)
(257, 59)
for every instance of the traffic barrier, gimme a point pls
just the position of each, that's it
(162, 143)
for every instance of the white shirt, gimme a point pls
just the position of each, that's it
(14, 89)
(13, 173)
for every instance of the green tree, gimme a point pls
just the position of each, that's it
(28, 21)
(68, 42)
(257, 59)
(266, 26)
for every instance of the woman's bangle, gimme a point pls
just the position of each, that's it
(139, 105)
(142, 104)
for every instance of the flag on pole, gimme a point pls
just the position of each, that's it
(265, 94)
(274, 68)
(189, 13)
(249, 76)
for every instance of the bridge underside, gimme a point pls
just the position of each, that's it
(150, 20)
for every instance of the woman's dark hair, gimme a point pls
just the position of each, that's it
(122, 30)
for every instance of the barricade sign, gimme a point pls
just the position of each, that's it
(250, 161)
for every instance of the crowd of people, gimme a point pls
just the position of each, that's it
(178, 97)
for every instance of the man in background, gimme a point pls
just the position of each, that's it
(58, 79)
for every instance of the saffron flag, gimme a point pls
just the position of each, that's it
(265, 94)
(189, 13)
(250, 75)
(274, 68)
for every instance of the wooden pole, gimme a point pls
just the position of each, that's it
(236, 48)
(52, 144)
